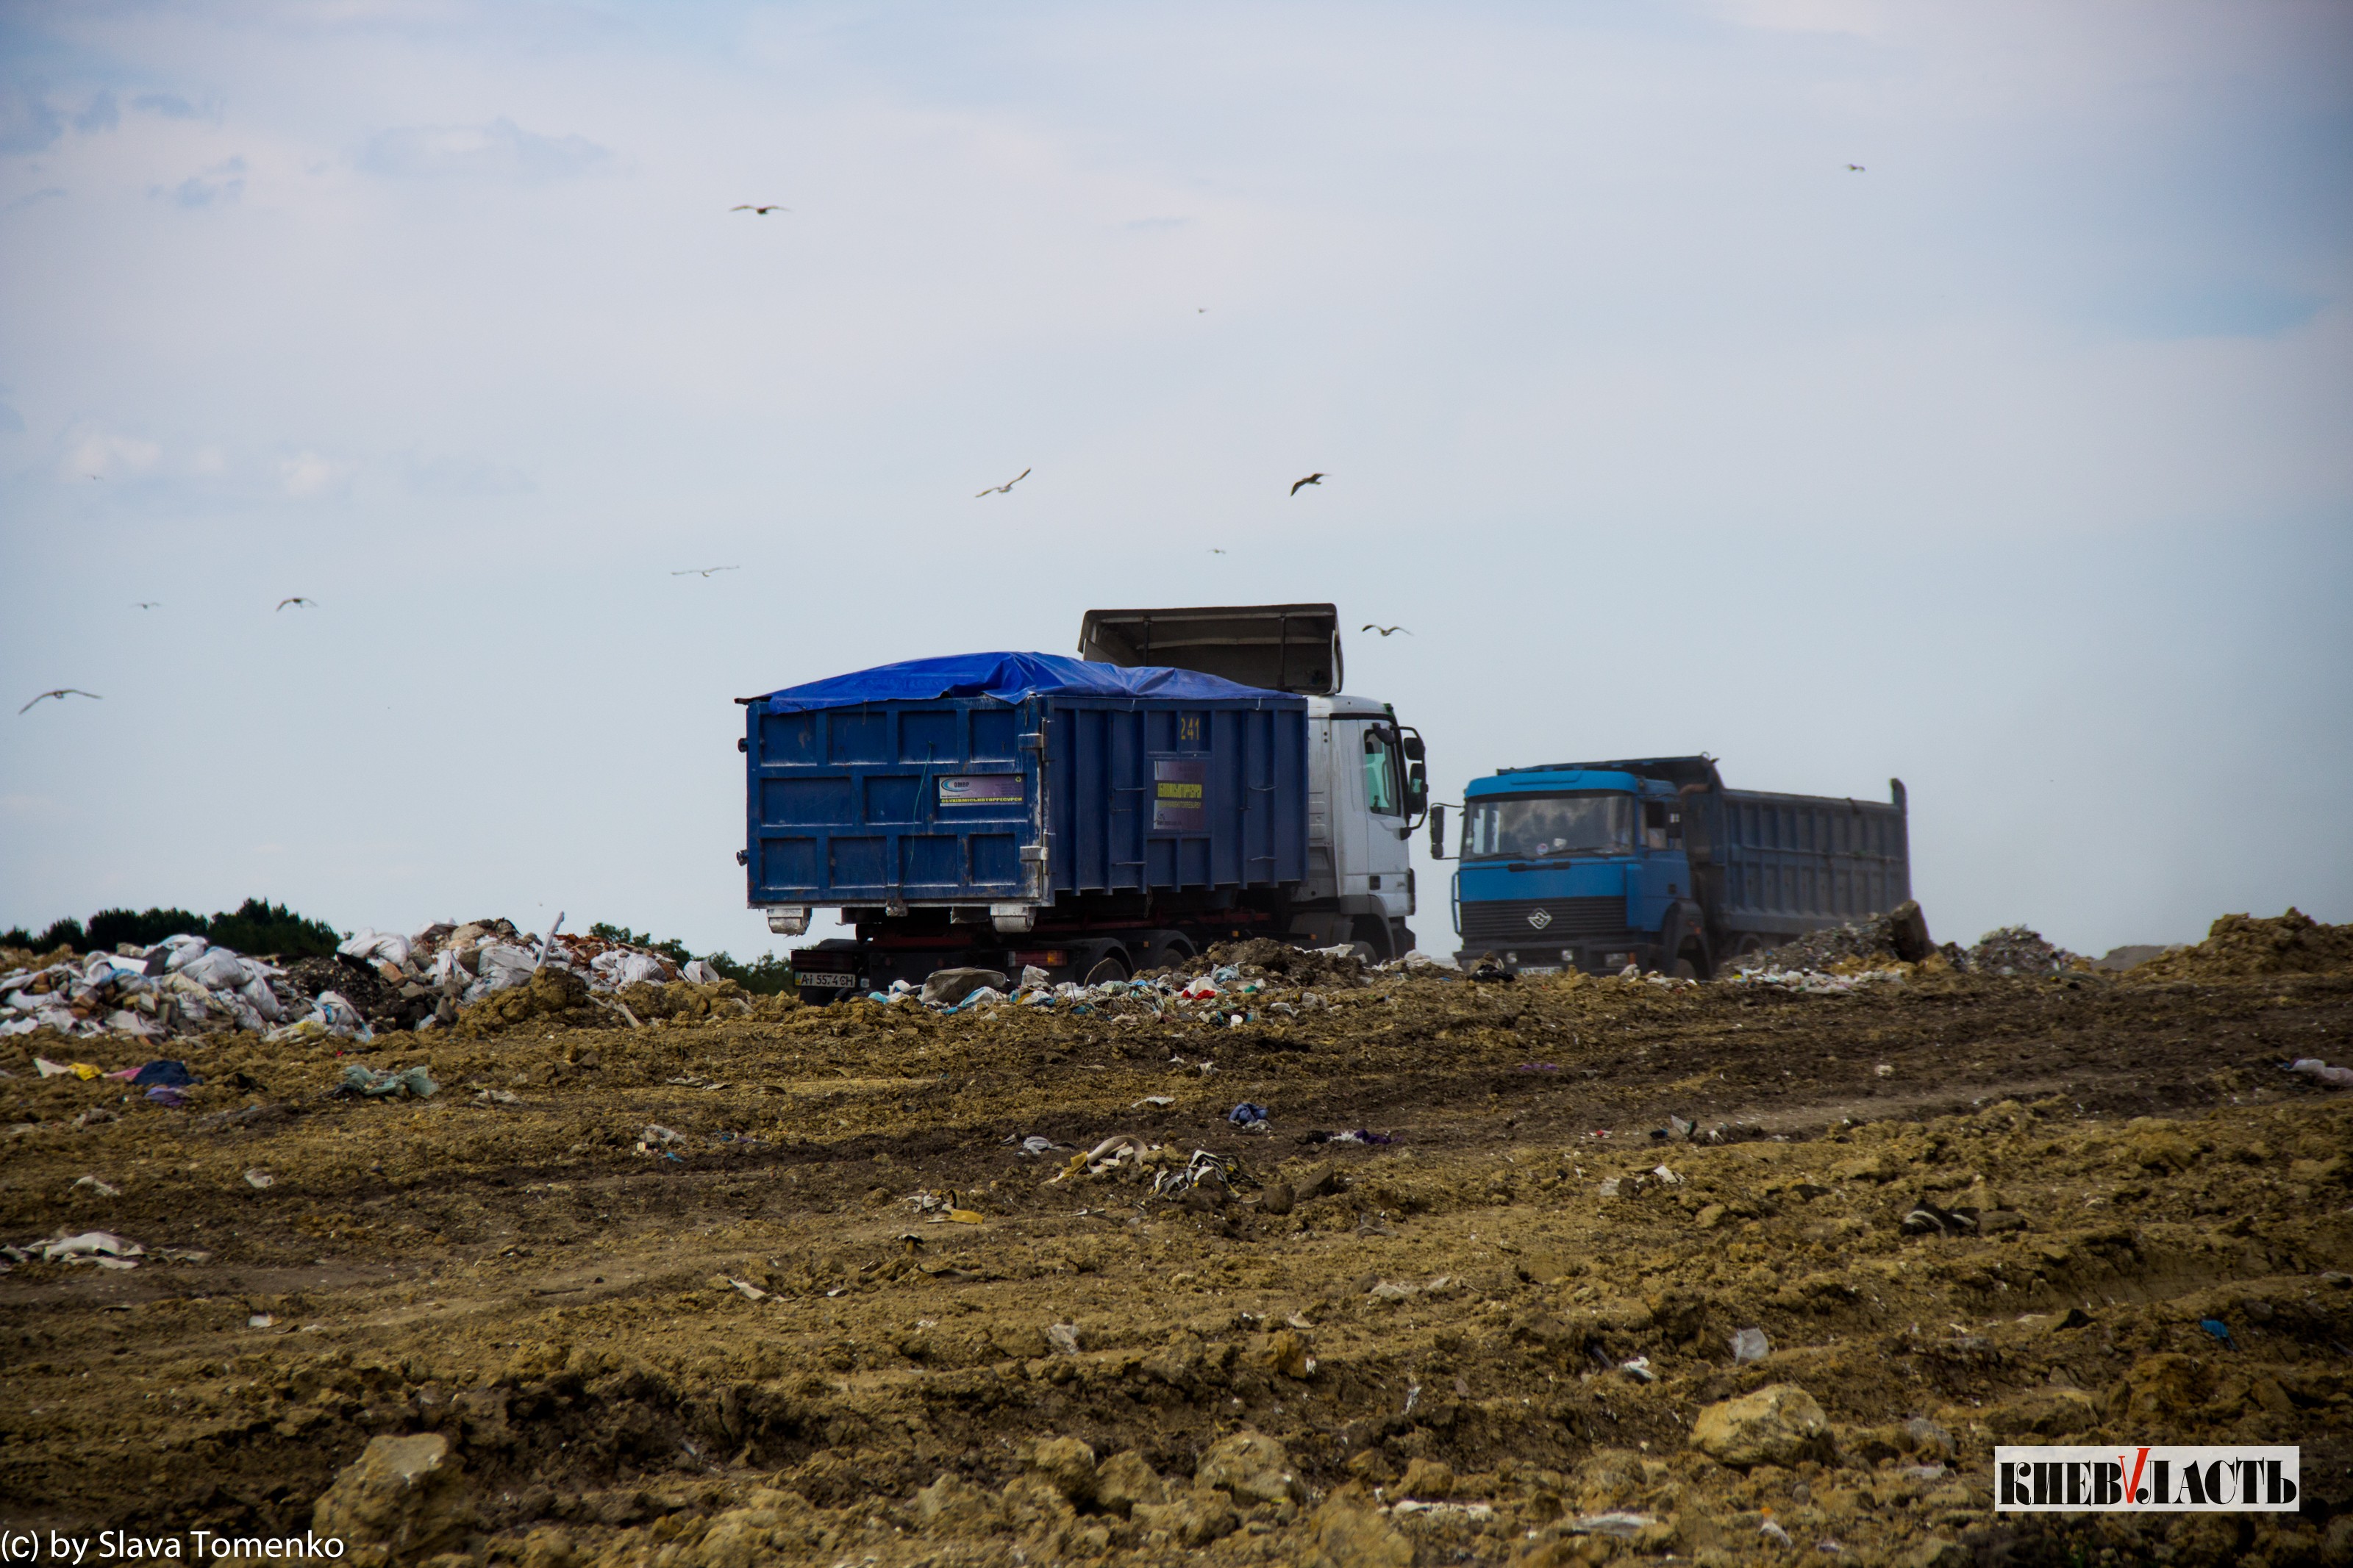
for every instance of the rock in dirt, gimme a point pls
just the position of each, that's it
(1124, 1482)
(1192, 1519)
(1250, 1465)
(401, 1500)
(952, 1506)
(2158, 1390)
(1427, 1479)
(1779, 1424)
(1349, 1530)
(1067, 1465)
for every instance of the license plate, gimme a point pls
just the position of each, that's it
(823, 981)
(1540, 969)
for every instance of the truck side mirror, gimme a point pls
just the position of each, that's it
(1438, 833)
(1417, 789)
(1413, 747)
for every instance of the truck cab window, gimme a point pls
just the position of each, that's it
(1384, 791)
(1529, 827)
(1654, 825)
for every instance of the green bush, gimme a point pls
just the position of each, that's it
(256, 927)
(110, 928)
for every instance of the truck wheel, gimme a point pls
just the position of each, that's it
(1372, 937)
(1685, 968)
(1168, 950)
(1109, 967)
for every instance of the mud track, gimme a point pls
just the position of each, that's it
(517, 1276)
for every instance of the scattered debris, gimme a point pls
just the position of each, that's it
(1750, 1344)
(372, 1083)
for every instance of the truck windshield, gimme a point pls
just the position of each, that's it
(1522, 826)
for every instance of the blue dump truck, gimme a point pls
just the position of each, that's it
(1654, 863)
(1092, 818)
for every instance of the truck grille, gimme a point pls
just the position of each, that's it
(1540, 922)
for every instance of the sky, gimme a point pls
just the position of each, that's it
(2015, 463)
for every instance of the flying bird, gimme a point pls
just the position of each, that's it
(61, 693)
(297, 599)
(1384, 630)
(758, 211)
(1855, 168)
(1007, 488)
(1310, 480)
(147, 605)
(704, 570)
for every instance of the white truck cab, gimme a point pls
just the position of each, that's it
(1367, 789)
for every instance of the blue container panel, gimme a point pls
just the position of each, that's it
(1125, 782)
(847, 805)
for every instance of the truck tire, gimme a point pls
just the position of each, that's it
(1401, 939)
(1371, 933)
(1685, 969)
(1167, 950)
(1110, 966)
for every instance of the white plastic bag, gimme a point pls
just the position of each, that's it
(372, 944)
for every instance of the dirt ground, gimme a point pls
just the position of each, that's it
(847, 1280)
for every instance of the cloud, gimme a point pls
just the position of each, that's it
(92, 452)
(499, 151)
(220, 184)
(306, 475)
(170, 105)
(27, 123)
(47, 193)
(101, 115)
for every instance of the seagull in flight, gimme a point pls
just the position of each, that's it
(1007, 488)
(758, 211)
(1855, 168)
(61, 693)
(1215, 551)
(704, 570)
(148, 605)
(297, 599)
(1384, 630)
(1311, 479)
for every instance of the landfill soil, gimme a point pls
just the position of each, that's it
(750, 1281)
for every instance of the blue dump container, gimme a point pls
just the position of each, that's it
(1022, 779)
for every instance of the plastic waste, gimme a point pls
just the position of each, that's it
(698, 973)
(1750, 1344)
(2320, 1071)
(2217, 1329)
(1247, 1114)
(387, 1084)
(164, 1071)
(91, 1246)
(376, 944)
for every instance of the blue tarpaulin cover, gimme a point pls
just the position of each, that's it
(1010, 678)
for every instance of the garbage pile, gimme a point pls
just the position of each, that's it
(1899, 936)
(376, 981)
(1227, 996)
(1863, 950)
(2014, 950)
(181, 986)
